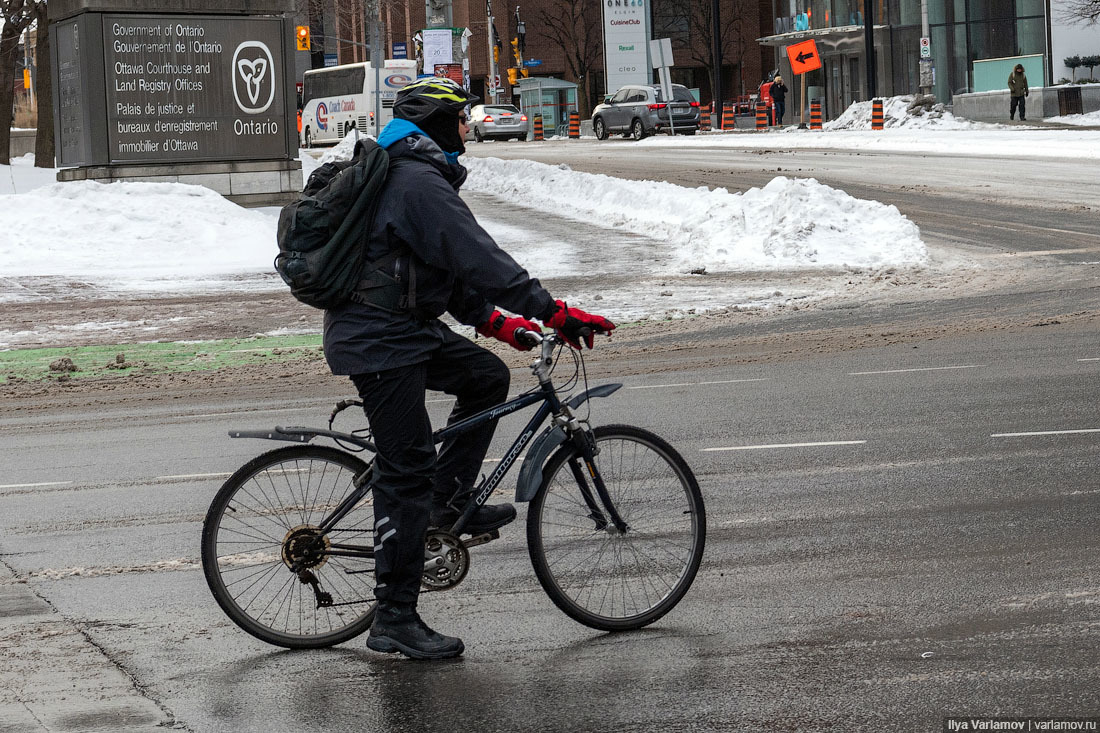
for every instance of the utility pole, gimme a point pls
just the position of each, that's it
(869, 47)
(717, 30)
(925, 72)
(491, 32)
(377, 57)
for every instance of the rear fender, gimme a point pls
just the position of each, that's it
(530, 473)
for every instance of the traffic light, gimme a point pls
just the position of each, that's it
(515, 51)
(496, 54)
(525, 72)
(302, 35)
(511, 76)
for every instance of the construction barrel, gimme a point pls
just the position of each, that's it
(727, 116)
(538, 127)
(704, 119)
(815, 115)
(761, 116)
(574, 124)
(876, 114)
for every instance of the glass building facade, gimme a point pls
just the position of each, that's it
(961, 32)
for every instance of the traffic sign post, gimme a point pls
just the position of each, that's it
(926, 48)
(804, 58)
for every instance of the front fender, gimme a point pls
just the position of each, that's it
(530, 473)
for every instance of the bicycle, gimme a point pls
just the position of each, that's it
(615, 529)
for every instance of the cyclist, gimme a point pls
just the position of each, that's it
(396, 348)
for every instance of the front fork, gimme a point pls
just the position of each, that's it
(585, 442)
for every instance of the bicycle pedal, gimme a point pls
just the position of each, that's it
(481, 539)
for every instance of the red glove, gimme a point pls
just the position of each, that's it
(569, 322)
(502, 328)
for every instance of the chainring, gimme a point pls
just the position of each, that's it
(446, 561)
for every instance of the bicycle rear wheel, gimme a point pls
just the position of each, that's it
(264, 519)
(597, 576)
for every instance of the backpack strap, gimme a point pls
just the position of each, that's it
(378, 289)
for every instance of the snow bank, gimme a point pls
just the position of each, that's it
(788, 224)
(132, 231)
(896, 114)
(1089, 118)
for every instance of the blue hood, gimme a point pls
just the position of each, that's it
(398, 129)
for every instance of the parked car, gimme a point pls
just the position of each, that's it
(497, 121)
(638, 110)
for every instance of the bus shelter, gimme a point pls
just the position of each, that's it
(552, 98)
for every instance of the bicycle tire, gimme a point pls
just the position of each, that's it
(656, 494)
(247, 534)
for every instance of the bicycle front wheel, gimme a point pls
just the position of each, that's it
(598, 576)
(265, 521)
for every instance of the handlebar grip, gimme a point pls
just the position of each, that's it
(526, 336)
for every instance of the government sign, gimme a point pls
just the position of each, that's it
(194, 87)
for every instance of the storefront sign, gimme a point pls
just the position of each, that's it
(625, 35)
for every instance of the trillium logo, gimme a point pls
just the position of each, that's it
(253, 77)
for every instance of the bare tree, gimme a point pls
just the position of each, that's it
(699, 40)
(43, 89)
(16, 15)
(574, 27)
(1086, 12)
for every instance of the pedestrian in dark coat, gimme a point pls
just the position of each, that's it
(779, 97)
(1018, 91)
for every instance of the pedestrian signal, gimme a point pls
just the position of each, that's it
(303, 37)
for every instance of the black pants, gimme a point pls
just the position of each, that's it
(407, 472)
(1017, 102)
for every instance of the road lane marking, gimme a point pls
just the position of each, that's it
(1044, 432)
(918, 369)
(785, 445)
(696, 384)
(1094, 358)
(1045, 252)
(31, 486)
(192, 475)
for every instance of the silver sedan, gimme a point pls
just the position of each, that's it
(497, 121)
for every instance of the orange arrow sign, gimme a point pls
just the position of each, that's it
(803, 57)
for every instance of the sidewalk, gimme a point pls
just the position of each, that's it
(52, 678)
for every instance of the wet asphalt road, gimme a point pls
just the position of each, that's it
(938, 555)
(924, 567)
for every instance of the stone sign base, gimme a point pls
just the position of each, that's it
(247, 183)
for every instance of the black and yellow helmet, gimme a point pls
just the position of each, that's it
(420, 99)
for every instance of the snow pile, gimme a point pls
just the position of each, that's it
(1089, 118)
(788, 224)
(132, 234)
(22, 176)
(897, 113)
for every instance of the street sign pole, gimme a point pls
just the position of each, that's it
(660, 53)
(804, 58)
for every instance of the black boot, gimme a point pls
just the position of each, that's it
(398, 628)
(487, 518)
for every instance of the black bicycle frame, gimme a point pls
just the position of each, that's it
(551, 404)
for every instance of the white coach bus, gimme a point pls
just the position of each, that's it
(338, 98)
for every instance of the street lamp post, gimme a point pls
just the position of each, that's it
(717, 30)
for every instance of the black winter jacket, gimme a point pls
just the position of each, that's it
(457, 268)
